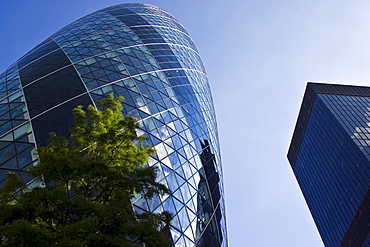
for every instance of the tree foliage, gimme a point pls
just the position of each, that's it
(86, 185)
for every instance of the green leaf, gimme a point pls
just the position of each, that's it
(88, 183)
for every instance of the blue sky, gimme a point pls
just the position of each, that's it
(258, 55)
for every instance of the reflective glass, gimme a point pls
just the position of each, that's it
(142, 53)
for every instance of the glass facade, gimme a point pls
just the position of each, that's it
(142, 53)
(330, 155)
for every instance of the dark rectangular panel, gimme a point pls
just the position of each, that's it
(53, 90)
(59, 120)
(41, 62)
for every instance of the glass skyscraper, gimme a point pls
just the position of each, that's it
(142, 53)
(330, 156)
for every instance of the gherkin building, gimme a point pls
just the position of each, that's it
(144, 54)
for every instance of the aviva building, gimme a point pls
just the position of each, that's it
(142, 53)
(330, 157)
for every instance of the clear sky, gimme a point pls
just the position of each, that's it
(259, 55)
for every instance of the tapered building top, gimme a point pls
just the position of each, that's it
(143, 53)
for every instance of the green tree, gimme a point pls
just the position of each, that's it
(86, 187)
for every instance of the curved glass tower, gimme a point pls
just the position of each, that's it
(142, 53)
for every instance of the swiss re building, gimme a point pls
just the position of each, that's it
(330, 157)
(144, 54)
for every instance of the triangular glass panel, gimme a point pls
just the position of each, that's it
(7, 137)
(20, 147)
(25, 158)
(10, 164)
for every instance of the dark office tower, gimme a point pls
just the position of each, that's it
(330, 156)
(142, 53)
